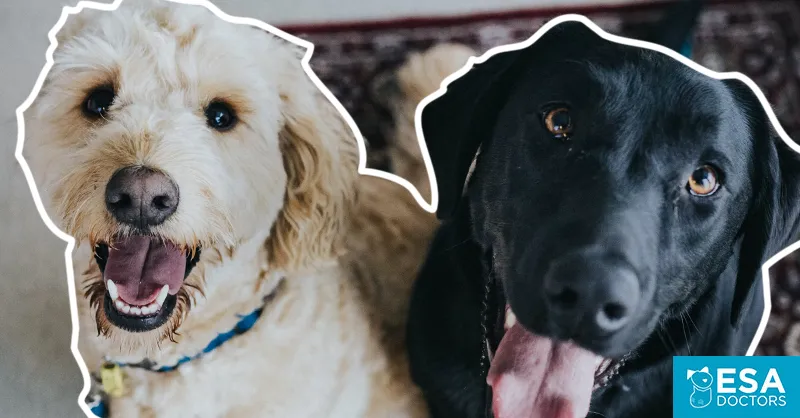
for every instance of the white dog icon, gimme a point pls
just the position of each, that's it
(701, 380)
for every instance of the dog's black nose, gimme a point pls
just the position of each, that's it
(589, 296)
(141, 197)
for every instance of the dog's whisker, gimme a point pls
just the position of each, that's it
(500, 223)
(78, 212)
(675, 348)
(70, 173)
(685, 335)
(689, 317)
(664, 342)
(454, 246)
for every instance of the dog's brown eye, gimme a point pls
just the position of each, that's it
(558, 122)
(98, 101)
(703, 181)
(220, 116)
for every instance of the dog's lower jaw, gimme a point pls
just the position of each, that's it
(143, 265)
(160, 342)
(341, 352)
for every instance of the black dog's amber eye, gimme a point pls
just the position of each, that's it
(220, 116)
(98, 101)
(703, 181)
(558, 122)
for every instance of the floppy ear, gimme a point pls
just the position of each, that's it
(457, 123)
(320, 157)
(773, 219)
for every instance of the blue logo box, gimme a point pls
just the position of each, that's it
(734, 387)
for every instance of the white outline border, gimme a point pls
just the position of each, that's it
(362, 169)
(658, 48)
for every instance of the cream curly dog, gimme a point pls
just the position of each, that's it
(230, 260)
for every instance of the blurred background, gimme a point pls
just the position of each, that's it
(356, 41)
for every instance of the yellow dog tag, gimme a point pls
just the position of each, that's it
(111, 377)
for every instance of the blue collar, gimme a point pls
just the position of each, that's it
(246, 322)
(97, 400)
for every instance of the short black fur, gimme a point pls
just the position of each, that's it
(615, 191)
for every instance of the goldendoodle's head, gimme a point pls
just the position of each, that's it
(163, 137)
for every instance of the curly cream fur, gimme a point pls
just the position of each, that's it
(276, 205)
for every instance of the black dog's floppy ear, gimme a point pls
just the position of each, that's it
(455, 124)
(773, 220)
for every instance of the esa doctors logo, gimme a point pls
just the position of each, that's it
(747, 394)
(732, 387)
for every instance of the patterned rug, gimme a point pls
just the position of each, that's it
(760, 38)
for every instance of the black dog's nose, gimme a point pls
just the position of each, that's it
(141, 197)
(590, 296)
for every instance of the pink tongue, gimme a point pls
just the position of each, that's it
(534, 377)
(140, 266)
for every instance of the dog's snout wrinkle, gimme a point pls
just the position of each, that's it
(590, 296)
(141, 196)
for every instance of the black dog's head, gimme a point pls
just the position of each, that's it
(614, 185)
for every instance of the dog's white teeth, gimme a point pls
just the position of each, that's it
(511, 320)
(162, 296)
(136, 310)
(112, 290)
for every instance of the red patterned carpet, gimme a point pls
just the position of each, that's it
(760, 38)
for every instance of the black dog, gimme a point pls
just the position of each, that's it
(622, 205)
